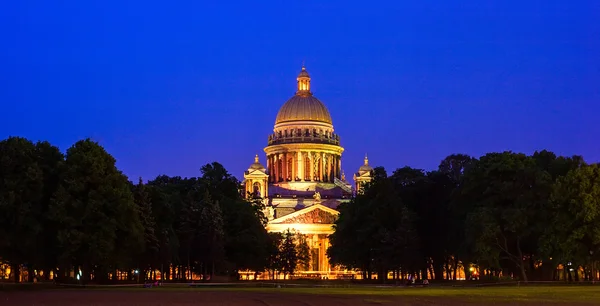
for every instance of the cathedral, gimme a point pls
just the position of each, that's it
(303, 182)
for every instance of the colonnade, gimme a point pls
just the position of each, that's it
(304, 166)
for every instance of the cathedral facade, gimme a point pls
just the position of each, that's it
(303, 182)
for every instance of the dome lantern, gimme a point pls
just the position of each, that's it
(303, 83)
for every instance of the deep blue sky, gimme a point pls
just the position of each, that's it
(169, 86)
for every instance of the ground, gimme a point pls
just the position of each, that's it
(549, 295)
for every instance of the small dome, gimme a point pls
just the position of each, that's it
(365, 168)
(303, 108)
(303, 73)
(257, 165)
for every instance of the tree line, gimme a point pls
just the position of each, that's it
(77, 217)
(510, 214)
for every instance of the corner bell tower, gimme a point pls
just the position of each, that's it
(256, 180)
(363, 176)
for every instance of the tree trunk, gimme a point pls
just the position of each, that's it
(30, 274)
(455, 267)
(46, 272)
(447, 270)
(520, 262)
(16, 272)
(212, 272)
(85, 271)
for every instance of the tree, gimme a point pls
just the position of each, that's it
(575, 204)
(51, 163)
(509, 192)
(288, 254)
(166, 206)
(21, 197)
(303, 251)
(375, 230)
(454, 209)
(212, 234)
(394, 239)
(351, 243)
(275, 262)
(141, 196)
(246, 239)
(98, 225)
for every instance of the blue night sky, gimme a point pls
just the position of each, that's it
(166, 87)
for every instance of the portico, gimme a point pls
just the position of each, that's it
(315, 222)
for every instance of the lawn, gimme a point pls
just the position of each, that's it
(356, 295)
(538, 294)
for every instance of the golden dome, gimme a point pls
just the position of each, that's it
(256, 165)
(303, 106)
(300, 108)
(365, 167)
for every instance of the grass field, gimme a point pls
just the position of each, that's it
(530, 295)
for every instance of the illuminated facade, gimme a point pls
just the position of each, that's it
(303, 182)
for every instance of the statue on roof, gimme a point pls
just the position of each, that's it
(317, 197)
(269, 212)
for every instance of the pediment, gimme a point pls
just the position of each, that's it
(315, 214)
(256, 172)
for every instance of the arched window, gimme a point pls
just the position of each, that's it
(256, 189)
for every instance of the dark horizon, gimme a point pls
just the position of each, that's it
(168, 89)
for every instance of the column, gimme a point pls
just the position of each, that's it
(322, 167)
(326, 265)
(285, 167)
(312, 166)
(269, 167)
(294, 165)
(280, 166)
(322, 253)
(339, 165)
(276, 161)
(301, 165)
(325, 167)
(330, 172)
(334, 165)
(264, 191)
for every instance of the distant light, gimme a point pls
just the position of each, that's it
(135, 271)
